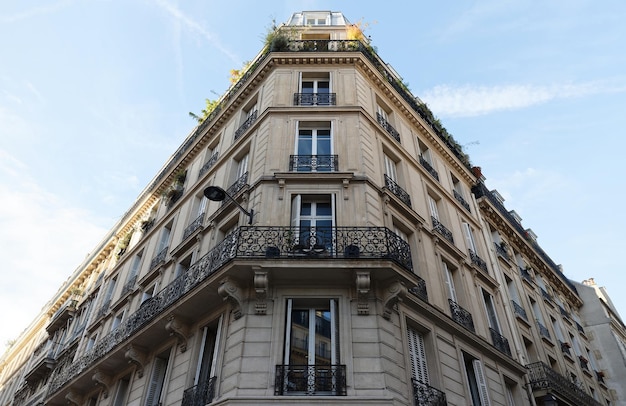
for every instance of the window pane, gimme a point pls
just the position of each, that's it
(322, 337)
(299, 337)
(307, 87)
(323, 87)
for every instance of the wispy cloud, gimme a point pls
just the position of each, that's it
(471, 100)
(34, 11)
(194, 26)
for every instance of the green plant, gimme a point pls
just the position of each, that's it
(208, 109)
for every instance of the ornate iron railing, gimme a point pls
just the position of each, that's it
(159, 258)
(315, 99)
(459, 198)
(246, 124)
(103, 309)
(419, 290)
(478, 261)
(397, 190)
(584, 363)
(310, 380)
(196, 224)
(313, 163)
(545, 294)
(441, 229)
(208, 164)
(388, 127)
(199, 395)
(500, 342)
(579, 327)
(525, 275)
(542, 378)
(461, 316)
(429, 168)
(543, 330)
(519, 310)
(236, 187)
(501, 251)
(565, 348)
(130, 284)
(426, 395)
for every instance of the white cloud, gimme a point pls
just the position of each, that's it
(471, 100)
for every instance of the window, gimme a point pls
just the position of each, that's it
(490, 309)
(210, 157)
(183, 266)
(157, 379)
(314, 147)
(248, 116)
(241, 166)
(204, 380)
(557, 330)
(509, 388)
(476, 381)
(117, 320)
(148, 293)
(109, 293)
(426, 159)
(457, 191)
(469, 237)
(448, 277)
(164, 240)
(91, 342)
(313, 217)
(122, 391)
(315, 90)
(312, 348)
(390, 169)
(417, 352)
(434, 209)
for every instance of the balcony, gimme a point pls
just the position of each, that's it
(429, 168)
(501, 251)
(500, 342)
(426, 395)
(208, 165)
(61, 316)
(195, 225)
(159, 258)
(565, 348)
(313, 163)
(254, 243)
(459, 198)
(441, 229)
(397, 190)
(543, 378)
(246, 124)
(461, 316)
(419, 290)
(130, 285)
(580, 328)
(311, 380)
(584, 363)
(546, 296)
(199, 395)
(543, 330)
(41, 365)
(478, 261)
(388, 127)
(519, 311)
(525, 275)
(314, 99)
(236, 187)
(564, 312)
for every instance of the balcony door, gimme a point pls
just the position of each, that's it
(313, 219)
(315, 89)
(314, 148)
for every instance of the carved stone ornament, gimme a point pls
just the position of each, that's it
(261, 283)
(230, 291)
(178, 328)
(394, 293)
(103, 380)
(74, 398)
(136, 356)
(363, 289)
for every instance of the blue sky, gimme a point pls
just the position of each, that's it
(95, 95)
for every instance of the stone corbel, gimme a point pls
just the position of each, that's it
(74, 398)
(261, 283)
(281, 188)
(136, 356)
(103, 380)
(178, 328)
(363, 289)
(345, 184)
(394, 293)
(230, 291)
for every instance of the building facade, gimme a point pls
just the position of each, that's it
(355, 258)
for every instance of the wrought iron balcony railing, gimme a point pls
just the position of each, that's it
(478, 261)
(104, 308)
(419, 290)
(246, 124)
(130, 284)
(159, 258)
(584, 363)
(500, 342)
(459, 198)
(565, 348)
(315, 99)
(310, 380)
(519, 310)
(441, 229)
(208, 164)
(196, 224)
(580, 328)
(543, 330)
(501, 251)
(313, 163)
(236, 187)
(199, 395)
(429, 168)
(461, 316)
(397, 190)
(245, 243)
(426, 395)
(545, 294)
(543, 378)
(388, 127)
(525, 275)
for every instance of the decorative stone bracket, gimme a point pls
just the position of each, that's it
(261, 283)
(178, 328)
(363, 289)
(393, 294)
(103, 380)
(231, 291)
(137, 356)
(74, 398)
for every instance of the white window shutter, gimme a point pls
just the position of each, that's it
(449, 282)
(433, 207)
(469, 237)
(417, 352)
(481, 382)
(156, 382)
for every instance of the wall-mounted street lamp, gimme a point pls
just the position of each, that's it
(217, 194)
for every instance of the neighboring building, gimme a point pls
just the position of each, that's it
(363, 262)
(607, 335)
